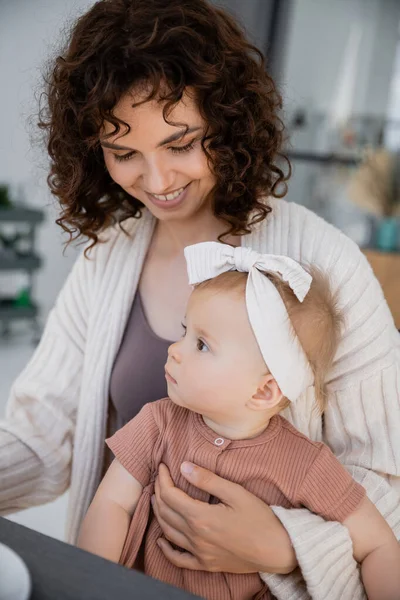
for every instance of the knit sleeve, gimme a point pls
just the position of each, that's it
(133, 445)
(362, 417)
(36, 436)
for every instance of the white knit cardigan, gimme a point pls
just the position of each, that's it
(54, 431)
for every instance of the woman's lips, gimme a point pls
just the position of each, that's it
(169, 204)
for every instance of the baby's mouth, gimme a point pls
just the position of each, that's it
(169, 377)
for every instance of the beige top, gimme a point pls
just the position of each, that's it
(281, 466)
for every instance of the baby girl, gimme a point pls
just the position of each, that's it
(260, 331)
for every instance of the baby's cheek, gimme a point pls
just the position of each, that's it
(207, 391)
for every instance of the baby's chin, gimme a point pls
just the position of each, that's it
(176, 399)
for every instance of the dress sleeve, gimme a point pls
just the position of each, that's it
(361, 421)
(328, 489)
(133, 445)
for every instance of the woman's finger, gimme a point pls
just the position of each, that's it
(175, 498)
(178, 539)
(164, 513)
(229, 493)
(183, 560)
(172, 533)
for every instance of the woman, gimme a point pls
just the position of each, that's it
(161, 115)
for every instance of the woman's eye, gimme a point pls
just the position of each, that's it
(201, 346)
(122, 157)
(174, 150)
(187, 148)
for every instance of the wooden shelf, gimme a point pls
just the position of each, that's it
(386, 267)
(20, 217)
(10, 312)
(20, 263)
(21, 214)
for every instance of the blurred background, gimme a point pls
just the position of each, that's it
(337, 64)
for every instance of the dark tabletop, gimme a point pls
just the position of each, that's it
(60, 571)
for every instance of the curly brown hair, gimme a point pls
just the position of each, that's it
(120, 44)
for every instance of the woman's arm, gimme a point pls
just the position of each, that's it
(376, 548)
(36, 436)
(361, 425)
(107, 520)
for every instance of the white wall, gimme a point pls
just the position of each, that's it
(319, 51)
(392, 133)
(254, 15)
(339, 62)
(29, 33)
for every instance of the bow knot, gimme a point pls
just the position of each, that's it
(243, 259)
(279, 346)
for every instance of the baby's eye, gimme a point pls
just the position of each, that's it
(184, 329)
(201, 346)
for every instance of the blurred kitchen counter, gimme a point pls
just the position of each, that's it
(386, 266)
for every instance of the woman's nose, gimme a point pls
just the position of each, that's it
(157, 176)
(174, 352)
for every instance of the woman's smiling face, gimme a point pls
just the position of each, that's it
(158, 163)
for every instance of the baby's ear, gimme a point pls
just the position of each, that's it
(267, 396)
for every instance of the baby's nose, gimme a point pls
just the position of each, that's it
(174, 353)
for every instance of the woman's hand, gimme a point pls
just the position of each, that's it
(239, 535)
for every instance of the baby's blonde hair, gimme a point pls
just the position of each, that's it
(316, 321)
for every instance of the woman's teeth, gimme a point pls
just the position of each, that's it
(169, 196)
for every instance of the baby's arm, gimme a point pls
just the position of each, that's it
(378, 551)
(107, 520)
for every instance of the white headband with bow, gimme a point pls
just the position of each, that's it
(280, 347)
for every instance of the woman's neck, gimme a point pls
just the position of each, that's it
(173, 236)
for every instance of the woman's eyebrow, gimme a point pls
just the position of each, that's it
(178, 135)
(114, 146)
(171, 138)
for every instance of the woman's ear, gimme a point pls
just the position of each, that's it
(267, 396)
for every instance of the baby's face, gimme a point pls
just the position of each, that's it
(217, 366)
